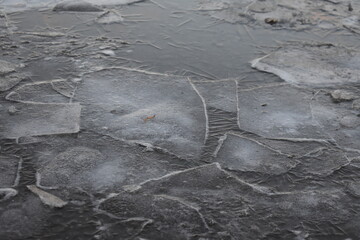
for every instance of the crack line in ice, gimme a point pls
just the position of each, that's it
(264, 86)
(257, 188)
(220, 144)
(140, 143)
(259, 143)
(187, 204)
(18, 173)
(205, 109)
(237, 103)
(99, 69)
(136, 187)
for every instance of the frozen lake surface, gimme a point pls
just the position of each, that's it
(181, 119)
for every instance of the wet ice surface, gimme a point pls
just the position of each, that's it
(152, 120)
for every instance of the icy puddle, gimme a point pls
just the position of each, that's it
(130, 119)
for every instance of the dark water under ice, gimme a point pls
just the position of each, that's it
(150, 122)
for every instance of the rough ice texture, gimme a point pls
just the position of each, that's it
(164, 111)
(104, 164)
(289, 14)
(8, 169)
(39, 119)
(9, 81)
(278, 111)
(8, 77)
(312, 64)
(19, 221)
(227, 204)
(7, 67)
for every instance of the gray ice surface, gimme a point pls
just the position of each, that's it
(234, 204)
(104, 164)
(148, 121)
(8, 76)
(161, 110)
(34, 119)
(278, 111)
(312, 64)
(8, 169)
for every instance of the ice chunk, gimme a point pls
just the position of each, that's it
(339, 120)
(54, 91)
(9, 81)
(78, 6)
(69, 165)
(238, 153)
(47, 198)
(164, 111)
(278, 111)
(274, 157)
(8, 77)
(40, 119)
(60, 5)
(7, 67)
(342, 95)
(312, 64)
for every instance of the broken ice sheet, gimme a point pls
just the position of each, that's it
(230, 205)
(312, 64)
(340, 121)
(239, 153)
(117, 102)
(54, 91)
(27, 119)
(275, 157)
(289, 14)
(98, 163)
(278, 112)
